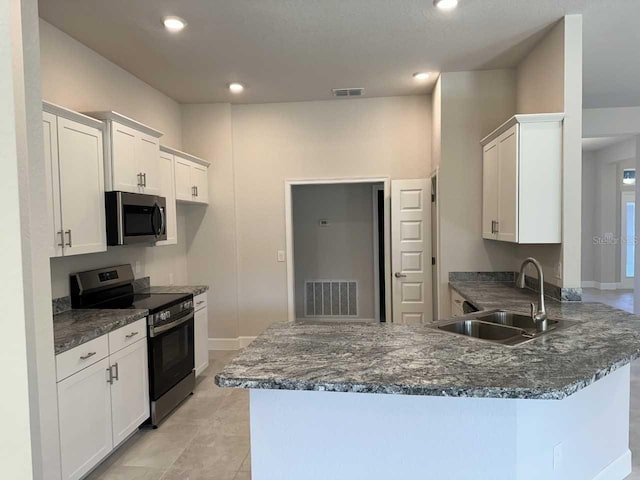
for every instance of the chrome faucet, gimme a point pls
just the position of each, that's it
(539, 314)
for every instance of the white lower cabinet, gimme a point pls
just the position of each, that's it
(130, 390)
(101, 404)
(84, 409)
(201, 333)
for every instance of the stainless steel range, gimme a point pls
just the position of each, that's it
(170, 331)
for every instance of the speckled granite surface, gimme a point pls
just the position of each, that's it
(399, 359)
(193, 289)
(75, 327)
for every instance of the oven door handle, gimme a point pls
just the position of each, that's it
(155, 331)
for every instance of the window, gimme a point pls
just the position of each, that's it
(629, 176)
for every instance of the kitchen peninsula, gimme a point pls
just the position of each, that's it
(393, 401)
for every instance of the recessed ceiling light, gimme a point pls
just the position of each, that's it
(174, 24)
(421, 76)
(446, 4)
(236, 87)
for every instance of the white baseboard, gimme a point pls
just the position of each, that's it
(619, 468)
(603, 285)
(226, 344)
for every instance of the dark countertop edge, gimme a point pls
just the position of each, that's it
(431, 390)
(105, 330)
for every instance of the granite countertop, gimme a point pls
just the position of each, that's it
(420, 360)
(193, 289)
(75, 327)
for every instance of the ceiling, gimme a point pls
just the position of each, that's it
(294, 50)
(598, 143)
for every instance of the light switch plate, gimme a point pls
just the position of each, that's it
(171, 279)
(138, 266)
(281, 256)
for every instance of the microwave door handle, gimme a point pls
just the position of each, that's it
(162, 221)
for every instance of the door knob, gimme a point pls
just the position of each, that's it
(399, 275)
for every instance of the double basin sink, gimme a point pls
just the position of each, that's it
(500, 326)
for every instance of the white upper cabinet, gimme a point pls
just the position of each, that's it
(168, 190)
(191, 177)
(133, 151)
(73, 150)
(522, 180)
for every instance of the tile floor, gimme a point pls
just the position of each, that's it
(207, 438)
(622, 299)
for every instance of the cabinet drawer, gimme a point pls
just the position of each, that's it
(127, 335)
(200, 301)
(74, 360)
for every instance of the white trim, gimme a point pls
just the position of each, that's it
(124, 120)
(288, 184)
(376, 251)
(522, 118)
(185, 155)
(228, 344)
(605, 285)
(619, 468)
(61, 111)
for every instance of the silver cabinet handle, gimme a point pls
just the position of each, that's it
(61, 233)
(88, 355)
(399, 275)
(68, 232)
(144, 179)
(109, 376)
(197, 191)
(139, 179)
(131, 335)
(200, 302)
(497, 226)
(117, 374)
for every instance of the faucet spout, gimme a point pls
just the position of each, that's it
(539, 313)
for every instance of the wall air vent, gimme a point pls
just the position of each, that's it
(331, 298)
(348, 92)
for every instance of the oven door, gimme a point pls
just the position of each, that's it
(171, 349)
(135, 218)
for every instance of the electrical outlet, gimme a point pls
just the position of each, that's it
(557, 458)
(281, 256)
(138, 266)
(171, 279)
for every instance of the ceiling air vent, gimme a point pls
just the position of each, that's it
(348, 92)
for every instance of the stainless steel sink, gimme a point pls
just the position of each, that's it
(499, 326)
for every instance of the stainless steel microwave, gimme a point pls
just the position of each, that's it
(134, 218)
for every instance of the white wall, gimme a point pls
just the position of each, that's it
(211, 232)
(473, 104)
(589, 199)
(375, 137)
(343, 250)
(76, 77)
(541, 75)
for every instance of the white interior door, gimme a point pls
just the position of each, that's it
(628, 235)
(411, 251)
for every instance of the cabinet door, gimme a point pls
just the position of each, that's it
(125, 167)
(148, 154)
(130, 390)
(184, 186)
(84, 413)
(81, 164)
(201, 182)
(490, 190)
(52, 172)
(201, 342)
(168, 190)
(508, 185)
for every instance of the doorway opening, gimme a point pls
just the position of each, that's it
(337, 250)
